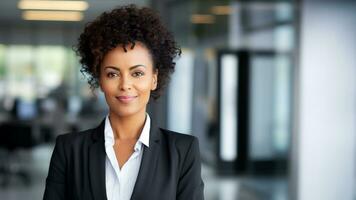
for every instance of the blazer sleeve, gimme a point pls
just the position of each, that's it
(56, 179)
(190, 184)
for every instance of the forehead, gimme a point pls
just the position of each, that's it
(118, 57)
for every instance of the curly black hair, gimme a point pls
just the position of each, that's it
(124, 26)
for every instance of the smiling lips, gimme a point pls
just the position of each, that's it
(126, 99)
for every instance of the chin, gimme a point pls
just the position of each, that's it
(125, 112)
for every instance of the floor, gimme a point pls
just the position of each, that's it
(216, 187)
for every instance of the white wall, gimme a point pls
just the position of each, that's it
(325, 137)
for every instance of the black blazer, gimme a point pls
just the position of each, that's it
(170, 168)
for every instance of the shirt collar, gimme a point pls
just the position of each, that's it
(144, 136)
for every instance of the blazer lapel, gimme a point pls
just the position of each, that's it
(148, 164)
(97, 163)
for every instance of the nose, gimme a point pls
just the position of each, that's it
(125, 83)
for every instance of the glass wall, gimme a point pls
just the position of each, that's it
(241, 60)
(232, 88)
(45, 83)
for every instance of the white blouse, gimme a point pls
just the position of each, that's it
(120, 182)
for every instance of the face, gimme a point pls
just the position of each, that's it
(127, 79)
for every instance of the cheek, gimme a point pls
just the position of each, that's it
(106, 87)
(144, 87)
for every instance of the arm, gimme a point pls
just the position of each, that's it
(55, 182)
(190, 184)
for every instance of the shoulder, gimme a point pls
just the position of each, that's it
(177, 137)
(184, 150)
(179, 140)
(75, 138)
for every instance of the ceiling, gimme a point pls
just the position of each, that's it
(9, 13)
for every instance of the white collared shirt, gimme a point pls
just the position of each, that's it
(120, 182)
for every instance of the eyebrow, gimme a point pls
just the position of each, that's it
(131, 68)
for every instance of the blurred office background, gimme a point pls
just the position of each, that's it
(268, 87)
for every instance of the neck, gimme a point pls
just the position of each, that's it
(127, 127)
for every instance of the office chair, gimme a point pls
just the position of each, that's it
(14, 136)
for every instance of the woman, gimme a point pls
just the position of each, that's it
(129, 54)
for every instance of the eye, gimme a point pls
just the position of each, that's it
(111, 74)
(138, 74)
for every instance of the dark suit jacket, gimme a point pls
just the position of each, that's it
(170, 167)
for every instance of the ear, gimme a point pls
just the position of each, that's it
(155, 80)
